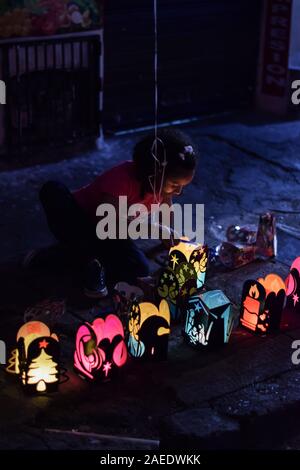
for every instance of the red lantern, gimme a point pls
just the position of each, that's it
(100, 348)
(262, 304)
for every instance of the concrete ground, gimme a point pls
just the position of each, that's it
(244, 396)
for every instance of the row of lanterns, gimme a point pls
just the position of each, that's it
(102, 346)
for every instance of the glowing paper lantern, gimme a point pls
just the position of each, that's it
(100, 348)
(292, 287)
(36, 359)
(209, 320)
(149, 329)
(262, 304)
(184, 275)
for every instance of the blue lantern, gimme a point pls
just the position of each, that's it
(209, 319)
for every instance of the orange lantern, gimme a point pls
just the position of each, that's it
(262, 304)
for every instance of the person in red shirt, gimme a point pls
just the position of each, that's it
(153, 176)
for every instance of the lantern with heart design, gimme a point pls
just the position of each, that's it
(262, 304)
(100, 348)
(149, 329)
(209, 320)
(184, 275)
(292, 287)
(36, 359)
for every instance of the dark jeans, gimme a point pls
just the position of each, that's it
(122, 259)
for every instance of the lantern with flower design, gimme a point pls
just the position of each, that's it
(292, 287)
(100, 348)
(262, 304)
(149, 329)
(209, 320)
(36, 359)
(184, 276)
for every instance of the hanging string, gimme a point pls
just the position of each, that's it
(159, 167)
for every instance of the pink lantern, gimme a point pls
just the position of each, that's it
(292, 287)
(100, 348)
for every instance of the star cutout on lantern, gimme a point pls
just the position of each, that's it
(197, 308)
(107, 368)
(183, 292)
(165, 275)
(295, 299)
(43, 344)
(171, 277)
(174, 260)
(191, 272)
(185, 267)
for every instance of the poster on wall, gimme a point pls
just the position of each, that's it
(21, 18)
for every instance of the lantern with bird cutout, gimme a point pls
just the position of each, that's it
(292, 287)
(184, 276)
(36, 359)
(262, 304)
(100, 348)
(209, 320)
(149, 329)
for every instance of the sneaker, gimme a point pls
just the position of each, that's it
(95, 280)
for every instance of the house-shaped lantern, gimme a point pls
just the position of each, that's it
(36, 359)
(100, 348)
(184, 275)
(292, 287)
(209, 320)
(262, 304)
(149, 329)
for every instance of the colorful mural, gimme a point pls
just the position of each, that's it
(47, 17)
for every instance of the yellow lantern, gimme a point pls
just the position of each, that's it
(36, 359)
(184, 276)
(149, 329)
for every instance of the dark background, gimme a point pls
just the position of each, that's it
(208, 54)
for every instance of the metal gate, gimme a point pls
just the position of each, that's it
(53, 91)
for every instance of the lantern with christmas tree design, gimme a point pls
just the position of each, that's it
(36, 359)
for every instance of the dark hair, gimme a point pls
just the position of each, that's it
(172, 144)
